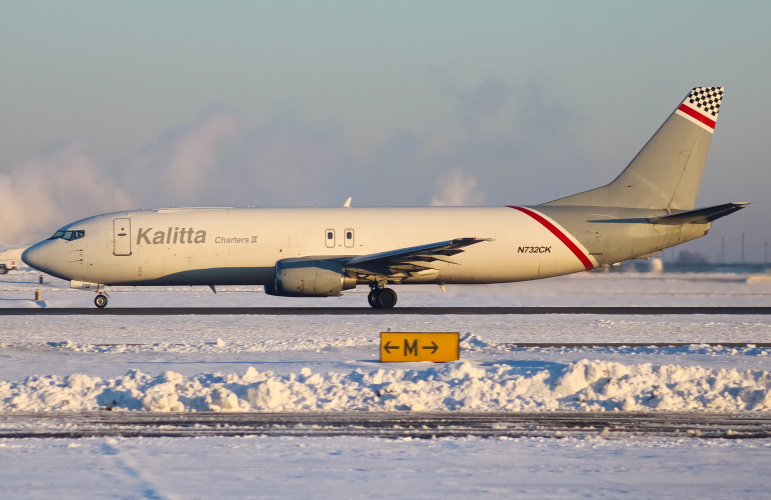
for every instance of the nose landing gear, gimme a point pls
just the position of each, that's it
(381, 298)
(101, 297)
(100, 301)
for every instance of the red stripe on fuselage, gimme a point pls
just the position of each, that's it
(559, 234)
(697, 116)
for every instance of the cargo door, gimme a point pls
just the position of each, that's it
(595, 242)
(121, 232)
(598, 226)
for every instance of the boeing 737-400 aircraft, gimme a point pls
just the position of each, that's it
(320, 252)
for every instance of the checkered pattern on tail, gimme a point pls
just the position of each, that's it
(706, 100)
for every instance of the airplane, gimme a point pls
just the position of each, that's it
(321, 252)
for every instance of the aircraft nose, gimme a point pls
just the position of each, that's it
(36, 256)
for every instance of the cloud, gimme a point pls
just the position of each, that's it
(517, 139)
(177, 169)
(54, 188)
(193, 154)
(65, 183)
(496, 143)
(457, 189)
(288, 162)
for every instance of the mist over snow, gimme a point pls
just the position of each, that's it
(457, 189)
(492, 134)
(175, 170)
(48, 190)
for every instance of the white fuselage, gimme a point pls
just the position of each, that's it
(241, 246)
(225, 246)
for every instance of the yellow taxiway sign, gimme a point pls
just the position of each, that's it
(419, 346)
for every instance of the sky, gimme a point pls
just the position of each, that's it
(109, 106)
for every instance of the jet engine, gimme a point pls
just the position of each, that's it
(310, 278)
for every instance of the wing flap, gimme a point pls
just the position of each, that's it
(410, 259)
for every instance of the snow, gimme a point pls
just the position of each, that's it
(515, 386)
(347, 467)
(329, 363)
(582, 289)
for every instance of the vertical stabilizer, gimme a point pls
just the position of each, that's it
(666, 173)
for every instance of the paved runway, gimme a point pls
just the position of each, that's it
(364, 311)
(386, 425)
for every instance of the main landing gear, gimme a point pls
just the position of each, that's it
(381, 297)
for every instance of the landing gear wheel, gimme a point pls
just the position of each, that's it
(100, 301)
(372, 298)
(386, 298)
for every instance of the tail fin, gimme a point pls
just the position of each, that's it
(666, 173)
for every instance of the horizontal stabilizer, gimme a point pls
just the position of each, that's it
(700, 216)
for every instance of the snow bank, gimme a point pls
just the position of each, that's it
(220, 346)
(468, 343)
(519, 386)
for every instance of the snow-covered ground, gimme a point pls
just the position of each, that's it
(329, 363)
(583, 289)
(355, 468)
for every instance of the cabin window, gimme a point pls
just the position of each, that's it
(69, 235)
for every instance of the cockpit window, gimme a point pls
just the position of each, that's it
(69, 235)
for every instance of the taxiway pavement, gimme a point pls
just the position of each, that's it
(367, 311)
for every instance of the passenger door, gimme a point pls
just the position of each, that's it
(121, 232)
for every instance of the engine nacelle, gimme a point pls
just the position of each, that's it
(309, 278)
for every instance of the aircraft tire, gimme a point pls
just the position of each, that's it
(372, 298)
(100, 301)
(386, 299)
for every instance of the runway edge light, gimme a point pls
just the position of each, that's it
(439, 347)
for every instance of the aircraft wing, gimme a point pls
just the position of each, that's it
(411, 258)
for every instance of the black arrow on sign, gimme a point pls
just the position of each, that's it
(388, 347)
(433, 346)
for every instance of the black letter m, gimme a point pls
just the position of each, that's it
(411, 349)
